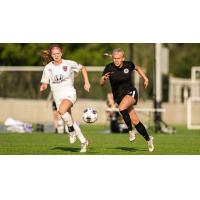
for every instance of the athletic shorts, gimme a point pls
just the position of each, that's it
(133, 93)
(69, 94)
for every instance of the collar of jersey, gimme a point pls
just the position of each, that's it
(58, 65)
(118, 67)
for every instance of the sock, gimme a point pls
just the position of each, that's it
(60, 121)
(127, 119)
(142, 130)
(79, 133)
(68, 119)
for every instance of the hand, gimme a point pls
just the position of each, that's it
(87, 87)
(43, 87)
(146, 83)
(107, 75)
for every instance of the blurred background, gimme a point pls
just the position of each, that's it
(19, 87)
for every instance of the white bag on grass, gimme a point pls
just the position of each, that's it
(17, 126)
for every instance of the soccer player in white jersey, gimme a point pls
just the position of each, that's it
(59, 73)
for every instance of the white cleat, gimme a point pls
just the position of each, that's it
(131, 136)
(84, 147)
(72, 137)
(150, 144)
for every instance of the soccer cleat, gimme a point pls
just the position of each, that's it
(150, 144)
(84, 147)
(72, 137)
(131, 136)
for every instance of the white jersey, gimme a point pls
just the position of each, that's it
(60, 77)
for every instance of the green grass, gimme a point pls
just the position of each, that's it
(184, 142)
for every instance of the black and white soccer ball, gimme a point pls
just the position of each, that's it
(90, 115)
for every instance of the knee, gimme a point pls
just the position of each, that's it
(122, 108)
(62, 111)
(135, 121)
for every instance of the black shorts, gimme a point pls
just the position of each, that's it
(133, 93)
(54, 106)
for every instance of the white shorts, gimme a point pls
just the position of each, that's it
(69, 94)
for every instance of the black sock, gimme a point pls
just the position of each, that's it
(71, 128)
(142, 130)
(127, 119)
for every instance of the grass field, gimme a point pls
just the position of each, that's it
(184, 142)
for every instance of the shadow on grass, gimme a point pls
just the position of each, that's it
(74, 149)
(71, 149)
(91, 150)
(131, 149)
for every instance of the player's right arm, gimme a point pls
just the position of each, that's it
(45, 80)
(104, 78)
(43, 86)
(105, 75)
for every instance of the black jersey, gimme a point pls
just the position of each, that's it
(120, 79)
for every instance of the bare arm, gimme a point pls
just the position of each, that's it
(104, 79)
(86, 80)
(43, 86)
(143, 75)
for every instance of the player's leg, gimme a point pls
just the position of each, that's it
(124, 106)
(55, 120)
(78, 131)
(64, 108)
(141, 128)
(74, 130)
(60, 124)
(55, 117)
(80, 136)
(129, 116)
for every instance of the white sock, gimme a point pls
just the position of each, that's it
(79, 133)
(60, 121)
(68, 119)
(60, 125)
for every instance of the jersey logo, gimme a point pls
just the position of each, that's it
(58, 78)
(126, 71)
(65, 68)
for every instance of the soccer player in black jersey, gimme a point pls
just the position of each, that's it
(119, 72)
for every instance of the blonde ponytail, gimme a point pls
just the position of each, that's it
(46, 57)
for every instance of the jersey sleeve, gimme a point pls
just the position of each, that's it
(76, 67)
(45, 76)
(106, 70)
(132, 66)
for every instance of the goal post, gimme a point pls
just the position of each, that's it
(193, 118)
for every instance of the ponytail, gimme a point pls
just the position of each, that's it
(46, 57)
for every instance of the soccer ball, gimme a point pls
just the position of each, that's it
(89, 115)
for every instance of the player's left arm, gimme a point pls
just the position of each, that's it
(143, 75)
(85, 77)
